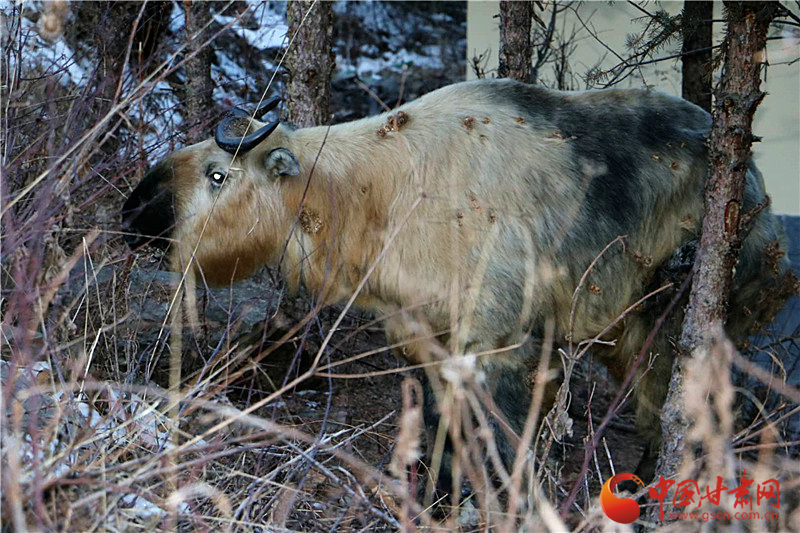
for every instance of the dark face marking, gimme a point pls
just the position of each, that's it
(148, 215)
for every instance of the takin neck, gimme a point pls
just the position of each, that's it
(341, 209)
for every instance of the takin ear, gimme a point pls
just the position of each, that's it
(281, 162)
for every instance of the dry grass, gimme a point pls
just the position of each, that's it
(299, 419)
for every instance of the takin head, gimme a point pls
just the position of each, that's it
(198, 197)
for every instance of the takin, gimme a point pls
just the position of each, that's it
(471, 215)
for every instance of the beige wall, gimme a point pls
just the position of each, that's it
(777, 119)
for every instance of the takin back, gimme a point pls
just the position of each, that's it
(472, 214)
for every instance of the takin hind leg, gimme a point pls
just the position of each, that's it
(650, 394)
(763, 284)
(651, 383)
(653, 380)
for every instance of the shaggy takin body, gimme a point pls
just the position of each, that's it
(470, 215)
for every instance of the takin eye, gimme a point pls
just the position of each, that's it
(217, 179)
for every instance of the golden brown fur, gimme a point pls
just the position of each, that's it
(488, 201)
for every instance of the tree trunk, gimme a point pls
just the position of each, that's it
(515, 40)
(198, 88)
(737, 96)
(310, 62)
(696, 27)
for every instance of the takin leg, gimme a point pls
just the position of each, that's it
(762, 285)
(653, 375)
(503, 399)
(504, 410)
(651, 382)
(502, 386)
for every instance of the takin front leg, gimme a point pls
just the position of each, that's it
(474, 404)
(473, 427)
(412, 340)
(475, 413)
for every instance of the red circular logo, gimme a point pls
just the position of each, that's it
(621, 510)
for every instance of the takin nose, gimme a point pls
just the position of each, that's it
(148, 215)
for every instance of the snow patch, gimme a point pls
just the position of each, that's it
(368, 67)
(271, 33)
(52, 57)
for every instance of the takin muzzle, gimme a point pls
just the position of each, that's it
(148, 216)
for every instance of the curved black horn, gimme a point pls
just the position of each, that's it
(267, 106)
(233, 145)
